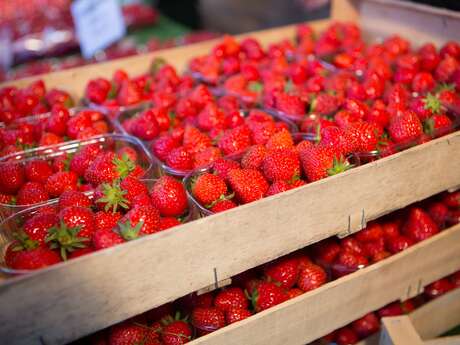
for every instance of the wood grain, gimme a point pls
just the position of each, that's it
(340, 302)
(95, 291)
(399, 330)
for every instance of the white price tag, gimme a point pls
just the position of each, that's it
(98, 24)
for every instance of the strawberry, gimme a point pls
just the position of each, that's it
(452, 199)
(362, 136)
(129, 332)
(294, 292)
(231, 298)
(326, 251)
(37, 170)
(278, 187)
(429, 57)
(31, 193)
(223, 206)
(83, 158)
(36, 227)
(267, 295)
(311, 277)
(73, 198)
(236, 314)
(145, 127)
(324, 104)
(169, 197)
(346, 336)
(207, 319)
(106, 220)
(438, 125)
(446, 69)
(128, 94)
(290, 104)
(262, 131)
(168, 222)
(254, 156)
(438, 288)
(7, 199)
(283, 271)
(179, 159)
(399, 243)
(223, 166)
(163, 145)
(76, 253)
(105, 238)
(372, 232)
(439, 213)
(26, 254)
(78, 217)
(248, 184)
(391, 229)
(235, 140)
(140, 220)
(78, 123)
(319, 162)
(348, 262)
(208, 188)
(211, 117)
(423, 82)
(12, 177)
(175, 331)
(281, 165)
(110, 197)
(367, 325)
(60, 182)
(194, 140)
(350, 244)
(455, 279)
(419, 226)
(280, 140)
(107, 167)
(133, 187)
(405, 127)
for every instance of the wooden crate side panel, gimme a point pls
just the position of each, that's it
(115, 284)
(399, 330)
(336, 304)
(437, 316)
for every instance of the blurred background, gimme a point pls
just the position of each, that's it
(38, 36)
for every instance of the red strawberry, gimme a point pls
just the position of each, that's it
(405, 127)
(175, 332)
(145, 127)
(194, 140)
(206, 157)
(367, 325)
(78, 217)
(106, 220)
(80, 252)
(429, 58)
(106, 238)
(211, 117)
(399, 243)
(419, 226)
(438, 125)
(290, 104)
(168, 222)
(236, 314)
(140, 220)
(372, 232)
(438, 212)
(346, 336)
(438, 288)
(7, 199)
(423, 82)
(129, 332)
(280, 140)
(362, 136)
(326, 251)
(108, 167)
(311, 277)
(57, 121)
(60, 182)
(128, 93)
(169, 197)
(235, 140)
(319, 162)
(348, 262)
(248, 184)
(267, 295)
(31, 193)
(12, 177)
(133, 187)
(281, 165)
(38, 170)
(29, 255)
(455, 279)
(284, 271)
(83, 158)
(36, 227)
(163, 145)
(350, 244)
(208, 188)
(446, 69)
(73, 198)
(278, 187)
(452, 199)
(391, 229)
(294, 292)
(231, 298)
(208, 319)
(223, 206)
(262, 131)
(179, 159)
(223, 166)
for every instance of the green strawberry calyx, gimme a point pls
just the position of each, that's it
(24, 242)
(156, 65)
(130, 232)
(123, 165)
(219, 199)
(65, 239)
(113, 197)
(339, 165)
(255, 86)
(432, 103)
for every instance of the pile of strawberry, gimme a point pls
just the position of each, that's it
(31, 100)
(121, 208)
(160, 86)
(28, 181)
(263, 287)
(52, 128)
(264, 169)
(370, 323)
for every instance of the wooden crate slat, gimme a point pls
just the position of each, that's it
(399, 330)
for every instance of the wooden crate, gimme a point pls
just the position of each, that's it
(422, 326)
(69, 300)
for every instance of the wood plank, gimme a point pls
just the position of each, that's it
(114, 284)
(399, 330)
(312, 315)
(452, 340)
(437, 316)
